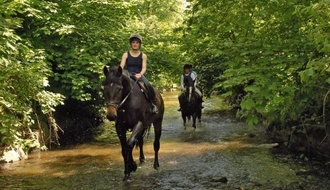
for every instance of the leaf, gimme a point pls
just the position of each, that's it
(252, 120)
(247, 104)
(9, 45)
(306, 74)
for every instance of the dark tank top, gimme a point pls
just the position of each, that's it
(133, 64)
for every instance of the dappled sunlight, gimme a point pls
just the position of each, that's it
(63, 163)
(220, 146)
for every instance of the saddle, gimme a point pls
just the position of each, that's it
(142, 87)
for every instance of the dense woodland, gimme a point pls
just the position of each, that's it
(268, 59)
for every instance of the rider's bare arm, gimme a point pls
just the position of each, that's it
(123, 60)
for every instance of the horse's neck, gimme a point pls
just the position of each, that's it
(189, 81)
(190, 84)
(192, 89)
(127, 83)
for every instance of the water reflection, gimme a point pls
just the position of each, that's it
(189, 159)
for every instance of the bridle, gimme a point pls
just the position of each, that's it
(117, 106)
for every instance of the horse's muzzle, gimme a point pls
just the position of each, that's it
(111, 113)
(111, 117)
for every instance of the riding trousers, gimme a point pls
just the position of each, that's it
(198, 92)
(150, 89)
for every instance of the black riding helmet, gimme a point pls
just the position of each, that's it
(135, 37)
(186, 66)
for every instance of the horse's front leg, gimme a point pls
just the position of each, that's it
(158, 133)
(126, 152)
(194, 120)
(140, 143)
(130, 165)
(199, 115)
(183, 115)
(136, 133)
(127, 148)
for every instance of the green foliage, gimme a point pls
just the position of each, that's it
(273, 53)
(23, 77)
(269, 56)
(157, 22)
(79, 38)
(76, 46)
(51, 47)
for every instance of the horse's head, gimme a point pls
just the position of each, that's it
(189, 84)
(113, 90)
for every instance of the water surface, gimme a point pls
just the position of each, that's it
(220, 149)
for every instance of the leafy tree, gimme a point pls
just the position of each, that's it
(270, 52)
(23, 94)
(157, 22)
(68, 42)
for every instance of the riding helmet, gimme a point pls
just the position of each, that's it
(186, 66)
(135, 37)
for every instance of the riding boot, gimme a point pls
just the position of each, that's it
(152, 95)
(154, 108)
(180, 107)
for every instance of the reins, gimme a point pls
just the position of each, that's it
(130, 92)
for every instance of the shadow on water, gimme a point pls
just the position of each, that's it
(221, 153)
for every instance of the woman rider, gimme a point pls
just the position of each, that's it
(188, 72)
(135, 62)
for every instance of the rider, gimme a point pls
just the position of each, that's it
(187, 72)
(135, 62)
(198, 87)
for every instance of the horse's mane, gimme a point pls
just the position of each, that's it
(188, 81)
(125, 76)
(126, 73)
(115, 70)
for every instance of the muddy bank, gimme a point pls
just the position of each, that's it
(309, 143)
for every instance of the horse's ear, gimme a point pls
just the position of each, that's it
(119, 71)
(105, 70)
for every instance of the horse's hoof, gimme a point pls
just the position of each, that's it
(127, 178)
(156, 166)
(133, 167)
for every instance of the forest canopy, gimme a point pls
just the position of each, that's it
(268, 59)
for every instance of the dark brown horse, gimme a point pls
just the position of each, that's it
(190, 102)
(128, 106)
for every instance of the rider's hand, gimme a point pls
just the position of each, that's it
(138, 75)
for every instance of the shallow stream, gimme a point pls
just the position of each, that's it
(222, 153)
